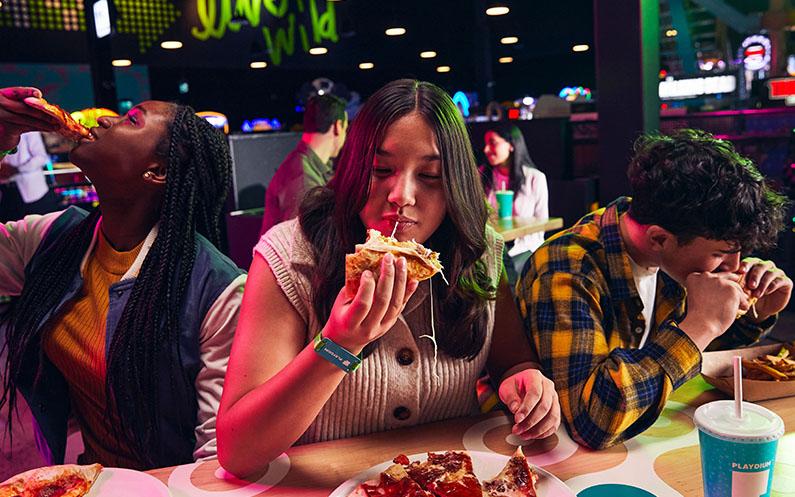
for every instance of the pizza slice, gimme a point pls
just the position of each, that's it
(421, 263)
(517, 479)
(393, 482)
(70, 128)
(446, 474)
(68, 480)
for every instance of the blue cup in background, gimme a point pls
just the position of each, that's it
(504, 203)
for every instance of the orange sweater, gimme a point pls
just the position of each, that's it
(76, 346)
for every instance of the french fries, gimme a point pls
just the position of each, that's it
(779, 367)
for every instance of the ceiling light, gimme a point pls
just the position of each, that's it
(505, 60)
(499, 10)
(443, 69)
(366, 65)
(429, 54)
(671, 33)
(121, 63)
(509, 40)
(580, 48)
(171, 45)
(258, 64)
(395, 31)
(318, 50)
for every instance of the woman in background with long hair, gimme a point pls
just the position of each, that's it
(510, 167)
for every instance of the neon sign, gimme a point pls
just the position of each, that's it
(694, 87)
(571, 93)
(781, 88)
(216, 17)
(252, 125)
(462, 102)
(755, 52)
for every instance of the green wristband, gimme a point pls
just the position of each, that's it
(336, 354)
(8, 152)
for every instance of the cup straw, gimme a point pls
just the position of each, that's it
(503, 186)
(738, 386)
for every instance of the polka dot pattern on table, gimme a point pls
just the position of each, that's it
(614, 490)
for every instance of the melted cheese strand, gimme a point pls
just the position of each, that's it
(432, 336)
(394, 230)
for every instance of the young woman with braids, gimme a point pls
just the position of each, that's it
(407, 162)
(124, 316)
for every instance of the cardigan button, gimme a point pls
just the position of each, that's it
(405, 357)
(402, 413)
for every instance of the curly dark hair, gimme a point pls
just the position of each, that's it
(695, 185)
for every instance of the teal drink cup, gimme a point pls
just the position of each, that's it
(737, 454)
(504, 203)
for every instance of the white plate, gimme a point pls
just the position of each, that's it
(486, 465)
(118, 482)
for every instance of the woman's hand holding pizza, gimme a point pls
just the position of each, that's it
(16, 117)
(532, 399)
(355, 322)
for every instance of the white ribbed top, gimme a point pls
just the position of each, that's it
(366, 400)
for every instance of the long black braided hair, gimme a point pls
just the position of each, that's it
(198, 177)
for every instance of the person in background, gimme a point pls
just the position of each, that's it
(509, 165)
(25, 190)
(621, 305)
(408, 166)
(123, 316)
(309, 164)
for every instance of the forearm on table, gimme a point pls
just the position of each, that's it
(628, 388)
(268, 420)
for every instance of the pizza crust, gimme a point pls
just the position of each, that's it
(70, 128)
(421, 263)
(71, 479)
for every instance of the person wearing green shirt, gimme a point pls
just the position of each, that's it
(309, 164)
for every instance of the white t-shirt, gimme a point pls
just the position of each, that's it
(646, 284)
(30, 158)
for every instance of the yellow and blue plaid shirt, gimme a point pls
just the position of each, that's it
(584, 316)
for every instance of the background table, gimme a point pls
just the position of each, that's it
(664, 461)
(517, 227)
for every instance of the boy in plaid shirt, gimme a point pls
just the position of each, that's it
(621, 305)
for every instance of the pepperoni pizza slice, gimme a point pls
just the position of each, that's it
(393, 482)
(68, 480)
(446, 474)
(517, 479)
(70, 128)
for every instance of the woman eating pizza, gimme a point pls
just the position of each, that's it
(123, 316)
(313, 362)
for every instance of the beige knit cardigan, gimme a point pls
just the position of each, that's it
(384, 393)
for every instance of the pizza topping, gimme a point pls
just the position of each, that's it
(450, 474)
(517, 479)
(68, 480)
(393, 482)
(70, 128)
